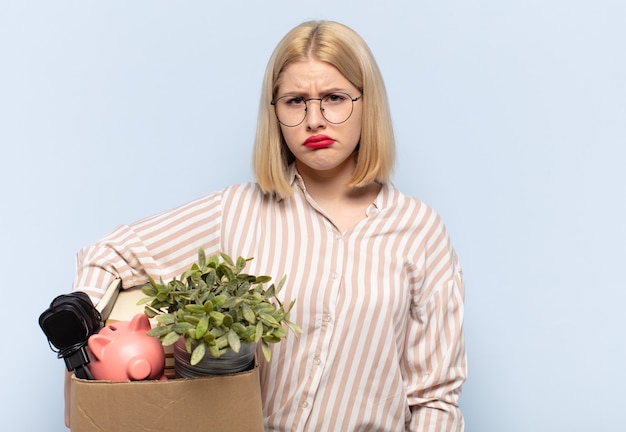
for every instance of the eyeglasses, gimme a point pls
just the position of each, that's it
(336, 108)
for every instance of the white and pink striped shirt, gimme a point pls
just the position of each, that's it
(380, 305)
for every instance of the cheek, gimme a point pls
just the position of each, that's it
(355, 129)
(289, 137)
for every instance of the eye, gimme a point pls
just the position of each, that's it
(293, 100)
(335, 98)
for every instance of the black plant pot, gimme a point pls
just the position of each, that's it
(229, 363)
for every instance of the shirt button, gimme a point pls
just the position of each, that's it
(305, 404)
(371, 210)
(339, 236)
(317, 361)
(328, 318)
(335, 275)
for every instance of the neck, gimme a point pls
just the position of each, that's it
(331, 186)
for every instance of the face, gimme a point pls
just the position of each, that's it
(319, 146)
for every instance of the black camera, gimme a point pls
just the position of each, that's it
(68, 323)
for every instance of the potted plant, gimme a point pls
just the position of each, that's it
(215, 308)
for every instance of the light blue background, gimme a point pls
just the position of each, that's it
(511, 122)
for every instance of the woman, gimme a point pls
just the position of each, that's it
(378, 288)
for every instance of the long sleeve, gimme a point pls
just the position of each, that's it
(161, 246)
(435, 360)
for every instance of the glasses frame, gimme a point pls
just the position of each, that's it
(306, 108)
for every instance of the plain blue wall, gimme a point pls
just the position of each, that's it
(510, 119)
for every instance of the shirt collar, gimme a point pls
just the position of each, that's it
(295, 179)
(383, 200)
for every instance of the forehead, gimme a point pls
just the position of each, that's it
(312, 76)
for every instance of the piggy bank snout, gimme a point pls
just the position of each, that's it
(138, 368)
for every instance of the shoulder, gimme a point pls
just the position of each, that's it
(209, 205)
(409, 210)
(248, 191)
(233, 192)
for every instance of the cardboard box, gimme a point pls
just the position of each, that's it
(218, 403)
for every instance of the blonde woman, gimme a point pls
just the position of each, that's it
(378, 287)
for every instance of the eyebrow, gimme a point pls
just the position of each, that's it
(323, 93)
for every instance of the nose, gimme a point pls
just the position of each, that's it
(314, 117)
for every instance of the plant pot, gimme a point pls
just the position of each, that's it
(229, 363)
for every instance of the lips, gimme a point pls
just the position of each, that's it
(318, 141)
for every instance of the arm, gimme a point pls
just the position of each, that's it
(434, 361)
(161, 246)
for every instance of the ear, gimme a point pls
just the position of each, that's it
(97, 344)
(139, 323)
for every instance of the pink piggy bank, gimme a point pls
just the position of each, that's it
(124, 352)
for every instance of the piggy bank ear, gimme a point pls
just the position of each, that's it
(97, 344)
(139, 323)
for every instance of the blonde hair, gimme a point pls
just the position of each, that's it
(343, 48)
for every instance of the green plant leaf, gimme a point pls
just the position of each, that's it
(243, 288)
(222, 341)
(281, 284)
(233, 341)
(228, 320)
(144, 301)
(270, 338)
(216, 318)
(267, 351)
(238, 328)
(218, 301)
(268, 319)
(232, 302)
(279, 332)
(192, 319)
(213, 261)
(241, 264)
(201, 258)
(182, 327)
(262, 279)
(210, 278)
(259, 331)
(248, 314)
(202, 327)
(166, 319)
(295, 328)
(218, 331)
(170, 339)
(159, 331)
(227, 259)
(215, 351)
(150, 312)
(190, 273)
(208, 306)
(149, 290)
(226, 272)
(198, 353)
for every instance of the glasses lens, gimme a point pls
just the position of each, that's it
(336, 108)
(290, 110)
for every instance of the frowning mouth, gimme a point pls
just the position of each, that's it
(318, 141)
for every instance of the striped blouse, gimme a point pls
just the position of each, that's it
(380, 305)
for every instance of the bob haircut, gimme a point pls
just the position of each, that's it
(344, 49)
